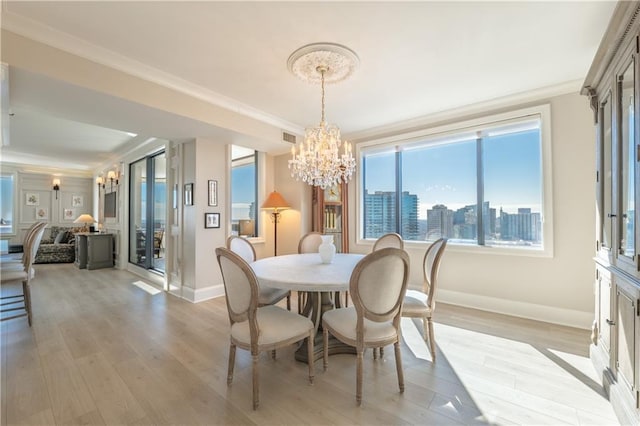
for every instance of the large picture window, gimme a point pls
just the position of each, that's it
(475, 184)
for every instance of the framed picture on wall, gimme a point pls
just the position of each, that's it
(188, 194)
(213, 193)
(69, 214)
(77, 201)
(212, 220)
(42, 213)
(32, 199)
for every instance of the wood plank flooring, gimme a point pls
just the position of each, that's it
(103, 351)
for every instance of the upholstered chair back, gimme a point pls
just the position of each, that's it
(240, 285)
(388, 240)
(310, 242)
(431, 267)
(242, 247)
(378, 284)
(32, 245)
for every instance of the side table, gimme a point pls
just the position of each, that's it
(94, 250)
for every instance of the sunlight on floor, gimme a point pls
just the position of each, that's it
(146, 287)
(500, 380)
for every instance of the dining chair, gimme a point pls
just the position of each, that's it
(309, 243)
(267, 295)
(389, 240)
(10, 274)
(377, 285)
(255, 328)
(422, 304)
(14, 258)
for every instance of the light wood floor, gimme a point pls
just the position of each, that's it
(103, 351)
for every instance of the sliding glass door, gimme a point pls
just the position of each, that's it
(148, 212)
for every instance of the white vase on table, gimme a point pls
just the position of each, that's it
(327, 250)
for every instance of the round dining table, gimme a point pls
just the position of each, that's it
(322, 283)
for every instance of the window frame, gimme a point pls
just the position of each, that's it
(257, 159)
(15, 200)
(436, 133)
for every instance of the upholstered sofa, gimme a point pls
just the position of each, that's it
(59, 247)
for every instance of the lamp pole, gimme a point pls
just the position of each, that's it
(275, 216)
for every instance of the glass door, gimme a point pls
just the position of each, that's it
(148, 212)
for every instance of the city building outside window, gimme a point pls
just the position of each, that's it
(244, 191)
(429, 186)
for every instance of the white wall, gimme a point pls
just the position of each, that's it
(204, 160)
(557, 289)
(40, 182)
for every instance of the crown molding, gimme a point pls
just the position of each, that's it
(406, 126)
(46, 35)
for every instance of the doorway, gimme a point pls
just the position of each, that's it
(148, 212)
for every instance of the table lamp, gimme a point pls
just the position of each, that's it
(276, 202)
(85, 219)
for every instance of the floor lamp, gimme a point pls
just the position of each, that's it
(275, 202)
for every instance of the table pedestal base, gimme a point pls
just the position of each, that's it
(316, 304)
(335, 347)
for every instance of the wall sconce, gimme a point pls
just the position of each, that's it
(56, 186)
(100, 183)
(111, 175)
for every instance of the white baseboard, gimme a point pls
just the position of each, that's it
(202, 294)
(568, 317)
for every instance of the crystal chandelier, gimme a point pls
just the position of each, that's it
(317, 159)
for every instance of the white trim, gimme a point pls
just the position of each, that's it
(35, 31)
(202, 294)
(542, 95)
(566, 317)
(543, 110)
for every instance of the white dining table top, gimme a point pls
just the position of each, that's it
(305, 272)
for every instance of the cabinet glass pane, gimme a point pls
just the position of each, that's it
(627, 176)
(607, 221)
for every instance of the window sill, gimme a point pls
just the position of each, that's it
(468, 248)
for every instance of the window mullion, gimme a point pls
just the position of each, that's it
(398, 201)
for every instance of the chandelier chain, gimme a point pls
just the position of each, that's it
(322, 71)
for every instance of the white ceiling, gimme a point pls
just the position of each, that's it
(416, 59)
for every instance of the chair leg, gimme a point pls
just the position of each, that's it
(256, 396)
(381, 349)
(232, 361)
(289, 302)
(273, 354)
(432, 340)
(26, 290)
(359, 376)
(325, 348)
(375, 353)
(396, 346)
(310, 356)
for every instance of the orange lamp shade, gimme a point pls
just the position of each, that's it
(275, 201)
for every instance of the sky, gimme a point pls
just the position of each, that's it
(446, 174)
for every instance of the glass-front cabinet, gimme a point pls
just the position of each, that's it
(614, 90)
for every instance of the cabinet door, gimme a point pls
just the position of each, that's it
(605, 212)
(627, 160)
(627, 362)
(603, 306)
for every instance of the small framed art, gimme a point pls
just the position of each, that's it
(69, 214)
(188, 194)
(213, 193)
(212, 220)
(32, 199)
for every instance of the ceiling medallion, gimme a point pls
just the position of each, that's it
(317, 159)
